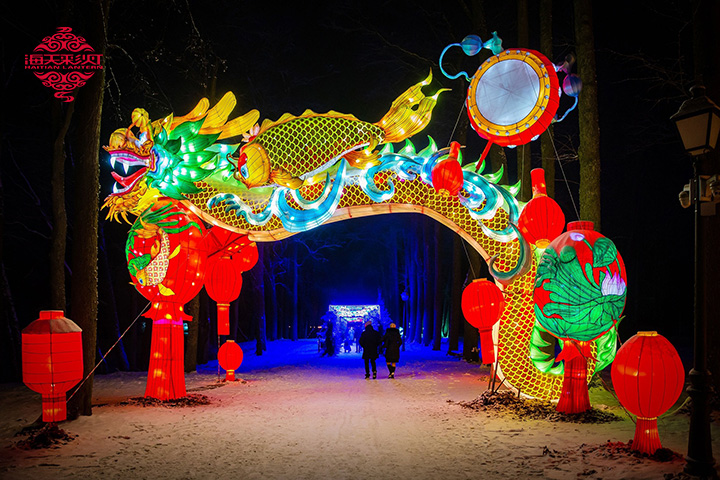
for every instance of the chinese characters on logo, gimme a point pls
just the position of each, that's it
(63, 62)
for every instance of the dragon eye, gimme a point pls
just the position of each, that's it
(140, 281)
(244, 171)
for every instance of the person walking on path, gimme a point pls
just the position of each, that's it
(391, 344)
(370, 342)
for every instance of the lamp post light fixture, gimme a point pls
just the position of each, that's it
(698, 122)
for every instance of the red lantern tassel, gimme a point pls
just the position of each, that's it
(574, 397)
(223, 318)
(166, 375)
(647, 438)
(230, 376)
(487, 346)
(54, 408)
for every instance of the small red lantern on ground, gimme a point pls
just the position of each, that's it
(447, 176)
(223, 282)
(482, 304)
(230, 357)
(648, 377)
(542, 220)
(52, 360)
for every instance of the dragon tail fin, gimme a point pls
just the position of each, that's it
(409, 113)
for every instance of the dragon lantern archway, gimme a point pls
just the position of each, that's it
(290, 176)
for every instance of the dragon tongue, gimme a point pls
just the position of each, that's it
(126, 181)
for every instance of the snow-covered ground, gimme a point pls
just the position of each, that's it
(300, 416)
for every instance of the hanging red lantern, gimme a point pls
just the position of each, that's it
(648, 377)
(248, 257)
(52, 360)
(166, 255)
(223, 282)
(447, 176)
(542, 219)
(483, 304)
(230, 357)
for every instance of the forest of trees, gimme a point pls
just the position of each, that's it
(76, 260)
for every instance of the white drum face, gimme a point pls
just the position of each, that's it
(507, 92)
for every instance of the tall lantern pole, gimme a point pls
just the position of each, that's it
(698, 122)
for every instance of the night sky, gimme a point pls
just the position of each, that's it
(357, 57)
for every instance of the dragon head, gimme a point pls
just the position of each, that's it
(165, 157)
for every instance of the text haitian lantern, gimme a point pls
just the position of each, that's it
(230, 357)
(648, 377)
(482, 304)
(223, 282)
(166, 256)
(579, 296)
(447, 176)
(542, 219)
(52, 360)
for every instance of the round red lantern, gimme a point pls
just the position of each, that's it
(447, 176)
(230, 357)
(166, 255)
(482, 304)
(542, 219)
(52, 360)
(248, 257)
(648, 377)
(223, 282)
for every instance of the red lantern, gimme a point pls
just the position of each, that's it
(52, 360)
(223, 282)
(230, 357)
(248, 257)
(542, 219)
(166, 255)
(447, 176)
(482, 304)
(648, 377)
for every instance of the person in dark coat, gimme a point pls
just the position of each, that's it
(391, 344)
(370, 341)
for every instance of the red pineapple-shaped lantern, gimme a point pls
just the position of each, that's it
(166, 255)
(447, 176)
(482, 304)
(223, 282)
(648, 377)
(52, 360)
(230, 357)
(542, 219)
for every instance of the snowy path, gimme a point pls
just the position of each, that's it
(318, 418)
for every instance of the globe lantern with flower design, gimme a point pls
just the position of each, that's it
(579, 295)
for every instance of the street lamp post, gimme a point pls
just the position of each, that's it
(698, 122)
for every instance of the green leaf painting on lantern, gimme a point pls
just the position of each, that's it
(580, 307)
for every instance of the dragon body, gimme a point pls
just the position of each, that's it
(336, 176)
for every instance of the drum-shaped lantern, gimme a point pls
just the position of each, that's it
(52, 360)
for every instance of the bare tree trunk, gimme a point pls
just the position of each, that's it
(10, 331)
(271, 302)
(523, 151)
(439, 281)
(258, 274)
(109, 329)
(294, 291)
(58, 236)
(546, 139)
(191, 339)
(589, 123)
(84, 293)
(456, 287)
